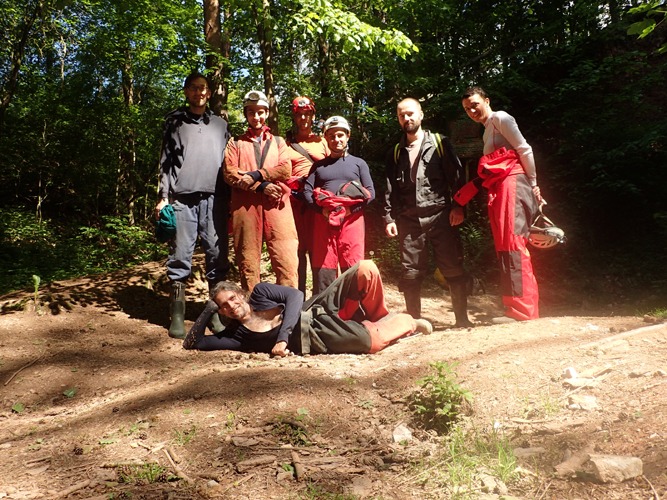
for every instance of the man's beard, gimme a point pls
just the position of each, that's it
(411, 128)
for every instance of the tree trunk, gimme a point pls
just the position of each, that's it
(16, 60)
(265, 35)
(217, 55)
(125, 188)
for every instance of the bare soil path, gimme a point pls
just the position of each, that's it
(94, 396)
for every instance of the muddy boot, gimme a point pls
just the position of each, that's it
(177, 310)
(459, 295)
(413, 301)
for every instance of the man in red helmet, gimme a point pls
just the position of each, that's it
(306, 147)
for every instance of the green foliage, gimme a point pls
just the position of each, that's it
(56, 251)
(466, 454)
(654, 13)
(440, 399)
(18, 408)
(70, 392)
(144, 474)
(183, 437)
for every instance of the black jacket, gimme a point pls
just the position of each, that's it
(439, 176)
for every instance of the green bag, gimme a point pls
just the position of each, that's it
(165, 226)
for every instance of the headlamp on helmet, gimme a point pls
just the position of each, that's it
(336, 122)
(255, 97)
(302, 104)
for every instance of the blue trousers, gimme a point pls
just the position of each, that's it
(200, 216)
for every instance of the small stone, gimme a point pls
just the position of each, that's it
(583, 402)
(569, 373)
(614, 468)
(528, 452)
(402, 433)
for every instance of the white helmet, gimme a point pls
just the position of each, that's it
(544, 234)
(336, 122)
(256, 97)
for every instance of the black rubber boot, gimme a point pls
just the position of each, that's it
(413, 301)
(459, 294)
(177, 310)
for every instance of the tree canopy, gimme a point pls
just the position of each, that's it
(84, 85)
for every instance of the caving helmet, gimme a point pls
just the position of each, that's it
(255, 97)
(544, 233)
(337, 122)
(301, 104)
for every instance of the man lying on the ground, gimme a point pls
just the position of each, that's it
(349, 316)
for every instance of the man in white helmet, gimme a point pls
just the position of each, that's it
(338, 188)
(256, 167)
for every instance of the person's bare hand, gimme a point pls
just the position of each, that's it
(280, 349)
(161, 204)
(456, 216)
(273, 191)
(391, 229)
(244, 182)
(538, 195)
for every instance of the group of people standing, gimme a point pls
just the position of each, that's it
(304, 199)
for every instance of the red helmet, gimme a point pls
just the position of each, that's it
(302, 103)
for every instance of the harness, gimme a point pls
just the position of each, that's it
(438, 147)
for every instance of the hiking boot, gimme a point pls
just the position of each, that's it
(458, 289)
(423, 326)
(413, 301)
(177, 310)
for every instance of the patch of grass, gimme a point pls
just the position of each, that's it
(293, 430)
(438, 402)
(542, 406)
(183, 437)
(144, 474)
(318, 492)
(41, 251)
(659, 313)
(467, 455)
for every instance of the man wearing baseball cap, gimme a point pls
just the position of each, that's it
(338, 188)
(256, 167)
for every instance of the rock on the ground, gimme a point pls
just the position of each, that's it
(614, 468)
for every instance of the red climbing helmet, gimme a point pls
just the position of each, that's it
(301, 104)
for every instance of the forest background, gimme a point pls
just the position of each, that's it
(85, 85)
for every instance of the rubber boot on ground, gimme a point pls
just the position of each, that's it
(216, 323)
(177, 310)
(459, 294)
(413, 301)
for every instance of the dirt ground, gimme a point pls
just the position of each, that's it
(93, 391)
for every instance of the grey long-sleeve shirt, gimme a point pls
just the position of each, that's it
(193, 150)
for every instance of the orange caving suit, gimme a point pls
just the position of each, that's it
(255, 216)
(316, 148)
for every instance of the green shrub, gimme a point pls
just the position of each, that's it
(440, 399)
(54, 250)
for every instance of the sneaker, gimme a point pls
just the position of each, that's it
(503, 320)
(423, 326)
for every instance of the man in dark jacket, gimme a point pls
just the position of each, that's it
(423, 172)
